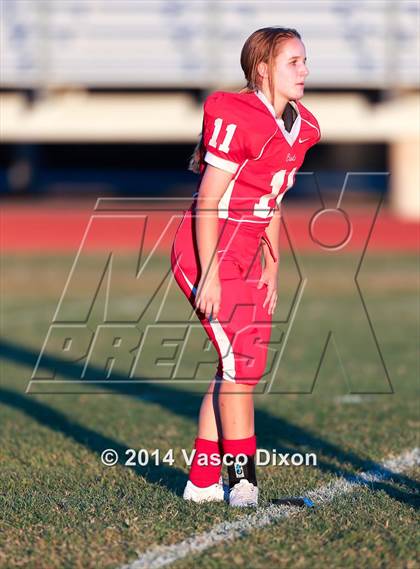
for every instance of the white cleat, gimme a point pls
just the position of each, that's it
(243, 494)
(213, 493)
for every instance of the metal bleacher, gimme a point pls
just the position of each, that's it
(196, 43)
(105, 71)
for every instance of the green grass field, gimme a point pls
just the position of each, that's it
(61, 507)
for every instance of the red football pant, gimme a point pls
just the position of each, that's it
(242, 330)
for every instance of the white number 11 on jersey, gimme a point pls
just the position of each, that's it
(230, 130)
(261, 208)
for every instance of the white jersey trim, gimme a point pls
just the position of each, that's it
(223, 206)
(240, 220)
(225, 199)
(221, 163)
(291, 136)
(222, 339)
(313, 126)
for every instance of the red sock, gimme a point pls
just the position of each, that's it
(237, 446)
(237, 472)
(203, 475)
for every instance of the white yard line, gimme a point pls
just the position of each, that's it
(161, 556)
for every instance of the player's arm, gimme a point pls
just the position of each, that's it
(273, 233)
(213, 185)
(225, 136)
(269, 275)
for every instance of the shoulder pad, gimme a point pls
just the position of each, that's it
(310, 126)
(235, 128)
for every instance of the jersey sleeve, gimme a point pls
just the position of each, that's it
(224, 134)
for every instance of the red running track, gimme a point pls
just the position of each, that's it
(48, 228)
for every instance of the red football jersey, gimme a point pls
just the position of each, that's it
(242, 135)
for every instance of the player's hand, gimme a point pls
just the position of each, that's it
(209, 292)
(269, 277)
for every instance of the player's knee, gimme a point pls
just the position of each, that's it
(238, 385)
(251, 364)
(246, 371)
(251, 371)
(247, 358)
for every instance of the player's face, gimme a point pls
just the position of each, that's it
(290, 71)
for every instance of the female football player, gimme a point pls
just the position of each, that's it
(253, 142)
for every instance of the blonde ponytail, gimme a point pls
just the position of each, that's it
(197, 157)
